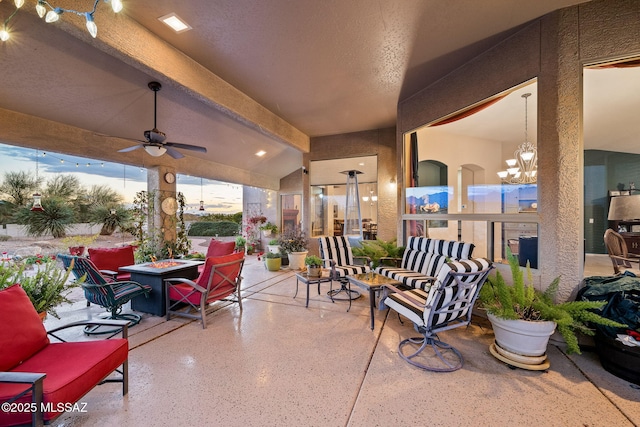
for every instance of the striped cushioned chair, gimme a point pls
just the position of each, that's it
(336, 253)
(446, 305)
(99, 290)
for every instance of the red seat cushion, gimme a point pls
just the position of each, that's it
(177, 292)
(112, 258)
(22, 333)
(72, 368)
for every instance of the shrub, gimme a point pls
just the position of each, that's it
(218, 228)
(4, 238)
(56, 218)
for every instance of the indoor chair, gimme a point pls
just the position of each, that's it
(221, 277)
(336, 254)
(447, 304)
(98, 289)
(619, 255)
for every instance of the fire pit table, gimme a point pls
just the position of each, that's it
(153, 274)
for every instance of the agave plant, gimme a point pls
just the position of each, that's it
(55, 218)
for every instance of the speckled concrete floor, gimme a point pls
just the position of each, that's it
(280, 364)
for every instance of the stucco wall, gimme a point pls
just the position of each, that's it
(554, 49)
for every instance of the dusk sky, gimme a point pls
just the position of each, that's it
(218, 197)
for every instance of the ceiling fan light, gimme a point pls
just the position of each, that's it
(155, 150)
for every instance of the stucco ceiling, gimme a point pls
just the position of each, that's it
(305, 67)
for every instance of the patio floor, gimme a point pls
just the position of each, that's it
(280, 364)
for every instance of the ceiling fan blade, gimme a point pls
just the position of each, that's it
(126, 150)
(186, 146)
(174, 153)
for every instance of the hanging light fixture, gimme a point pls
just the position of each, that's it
(37, 198)
(201, 198)
(523, 169)
(55, 13)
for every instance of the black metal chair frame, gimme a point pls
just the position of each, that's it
(429, 331)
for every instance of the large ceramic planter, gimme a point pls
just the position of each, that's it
(296, 260)
(523, 337)
(273, 264)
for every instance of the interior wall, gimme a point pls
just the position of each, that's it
(554, 49)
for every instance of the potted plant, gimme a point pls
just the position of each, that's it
(77, 244)
(294, 243)
(241, 242)
(272, 261)
(314, 265)
(273, 246)
(523, 318)
(47, 288)
(379, 251)
(269, 229)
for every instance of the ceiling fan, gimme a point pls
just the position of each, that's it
(154, 139)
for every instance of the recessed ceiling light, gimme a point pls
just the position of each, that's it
(261, 153)
(176, 23)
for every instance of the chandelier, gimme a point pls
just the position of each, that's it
(54, 14)
(524, 168)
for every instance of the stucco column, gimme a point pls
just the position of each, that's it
(161, 182)
(560, 147)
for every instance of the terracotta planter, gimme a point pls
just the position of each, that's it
(43, 315)
(314, 271)
(522, 337)
(296, 260)
(76, 250)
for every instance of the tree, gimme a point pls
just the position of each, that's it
(111, 218)
(64, 187)
(19, 187)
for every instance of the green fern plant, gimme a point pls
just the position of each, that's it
(376, 249)
(523, 302)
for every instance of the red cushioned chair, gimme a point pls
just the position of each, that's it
(218, 248)
(35, 370)
(220, 278)
(109, 260)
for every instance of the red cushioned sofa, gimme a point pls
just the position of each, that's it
(34, 370)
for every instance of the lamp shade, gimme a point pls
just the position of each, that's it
(624, 208)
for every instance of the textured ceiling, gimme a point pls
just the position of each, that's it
(317, 67)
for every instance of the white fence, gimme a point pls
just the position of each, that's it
(18, 230)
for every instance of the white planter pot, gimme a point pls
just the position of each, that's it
(274, 249)
(296, 260)
(522, 337)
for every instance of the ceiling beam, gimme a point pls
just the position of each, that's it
(131, 43)
(33, 132)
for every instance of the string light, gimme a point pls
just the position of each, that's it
(54, 14)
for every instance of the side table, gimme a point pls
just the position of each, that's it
(301, 276)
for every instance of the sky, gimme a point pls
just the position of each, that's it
(219, 197)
